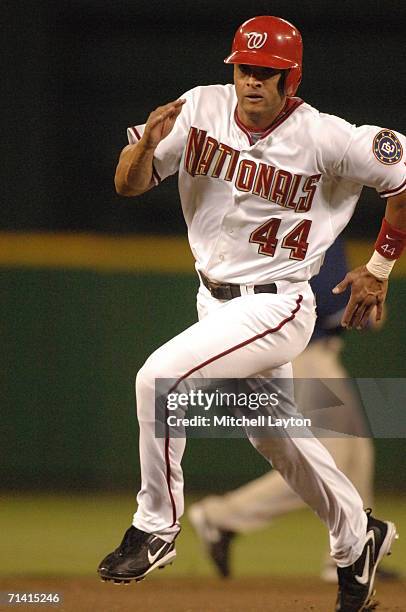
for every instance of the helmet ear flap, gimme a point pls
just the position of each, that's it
(292, 80)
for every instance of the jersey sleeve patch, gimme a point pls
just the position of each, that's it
(387, 147)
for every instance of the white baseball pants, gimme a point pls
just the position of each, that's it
(254, 505)
(242, 338)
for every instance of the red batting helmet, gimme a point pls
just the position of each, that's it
(271, 42)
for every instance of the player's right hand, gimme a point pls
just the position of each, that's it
(160, 123)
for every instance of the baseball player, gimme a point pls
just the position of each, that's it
(218, 518)
(266, 183)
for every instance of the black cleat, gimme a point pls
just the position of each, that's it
(215, 540)
(138, 554)
(356, 582)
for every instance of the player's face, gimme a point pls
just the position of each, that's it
(259, 100)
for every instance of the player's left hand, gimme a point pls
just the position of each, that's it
(367, 292)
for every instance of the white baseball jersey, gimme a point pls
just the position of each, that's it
(268, 210)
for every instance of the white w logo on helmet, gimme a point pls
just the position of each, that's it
(256, 40)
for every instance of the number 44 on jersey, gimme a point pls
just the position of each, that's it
(296, 240)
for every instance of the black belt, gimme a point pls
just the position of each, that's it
(229, 291)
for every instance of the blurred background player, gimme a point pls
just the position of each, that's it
(218, 519)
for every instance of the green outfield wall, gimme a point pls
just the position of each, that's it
(73, 339)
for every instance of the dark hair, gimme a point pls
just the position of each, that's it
(281, 82)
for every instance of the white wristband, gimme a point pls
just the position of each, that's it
(379, 266)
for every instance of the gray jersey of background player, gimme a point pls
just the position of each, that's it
(217, 519)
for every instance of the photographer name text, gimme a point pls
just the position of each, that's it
(233, 421)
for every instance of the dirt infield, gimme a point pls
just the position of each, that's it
(195, 595)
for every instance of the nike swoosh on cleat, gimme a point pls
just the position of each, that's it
(153, 558)
(363, 579)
